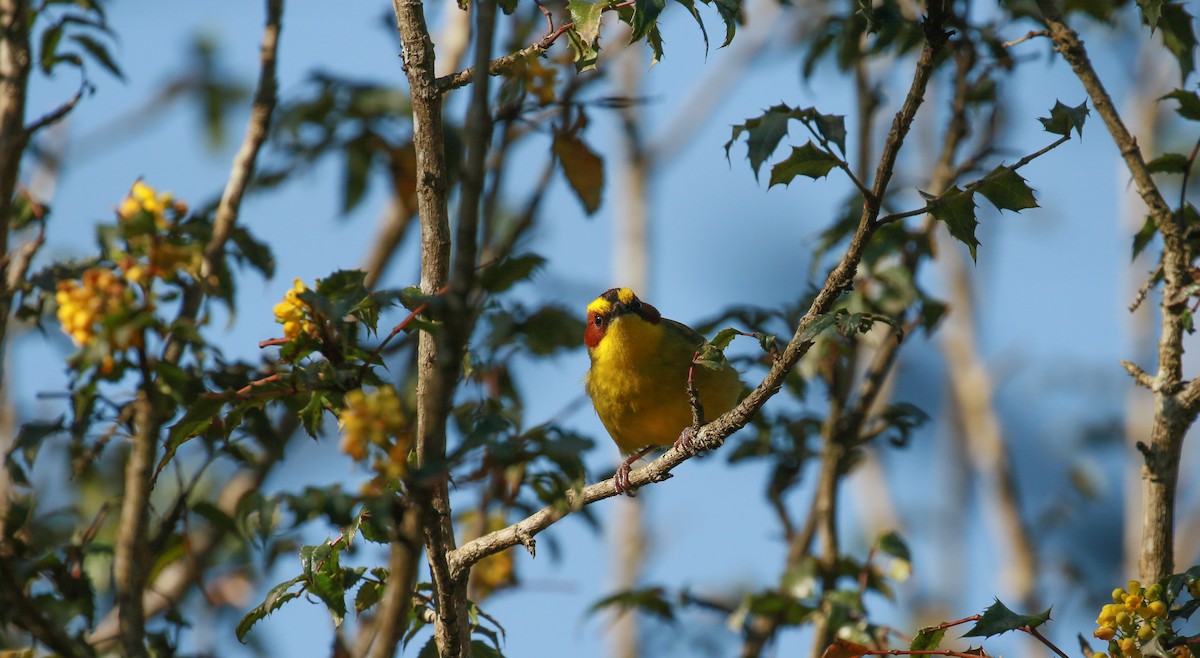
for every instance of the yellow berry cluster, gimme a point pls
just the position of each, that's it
(150, 255)
(295, 315)
(376, 419)
(1136, 615)
(143, 198)
(85, 304)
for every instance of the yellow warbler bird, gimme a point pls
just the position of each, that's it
(638, 379)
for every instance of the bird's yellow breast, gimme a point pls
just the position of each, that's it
(638, 382)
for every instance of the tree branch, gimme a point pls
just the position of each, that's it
(256, 134)
(1173, 412)
(131, 562)
(14, 80)
(240, 175)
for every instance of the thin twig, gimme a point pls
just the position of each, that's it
(1030, 35)
(503, 64)
(1140, 376)
(58, 113)
(256, 133)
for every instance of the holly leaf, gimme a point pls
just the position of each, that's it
(195, 421)
(762, 135)
(583, 168)
(1063, 118)
(585, 55)
(927, 639)
(1143, 237)
(1168, 163)
(1178, 36)
(645, 17)
(1151, 12)
(650, 600)
(956, 209)
(690, 5)
(502, 275)
(731, 13)
(276, 597)
(831, 126)
(1007, 190)
(817, 325)
(1189, 104)
(808, 160)
(585, 14)
(999, 619)
(894, 545)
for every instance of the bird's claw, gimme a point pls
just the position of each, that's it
(621, 479)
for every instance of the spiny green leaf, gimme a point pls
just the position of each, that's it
(194, 422)
(357, 170)
(1179, 36)
(1168, 163)
(927, 639)
(276, 597)
(893, 544)
(1143, 237)
(831, 126)
(690, 5)
(585, 14)
(1007, 190)
(51, 37)
(585, 55)
(367, 596)
(1189, 104)
(502, 275)
(99, 53)
(808, 160)
(956, 209)
(1063, 118)
(816, 326)
(724, 338)
(582, 167)
(645, 17)
(999, 619)
(1151, 12)
(731, 13)
(763, 134)
(651, 600)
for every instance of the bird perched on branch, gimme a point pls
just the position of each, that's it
(638, 381)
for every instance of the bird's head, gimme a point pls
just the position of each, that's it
(611, 307)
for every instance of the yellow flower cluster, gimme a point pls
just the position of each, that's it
(143, 198)
(86, 303)
(376, 419)
(1136, 615)
(295, 316)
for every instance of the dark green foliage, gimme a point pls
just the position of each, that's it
(999, 619)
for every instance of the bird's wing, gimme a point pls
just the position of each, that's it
(692, 336)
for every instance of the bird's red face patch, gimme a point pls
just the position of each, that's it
(596, 325)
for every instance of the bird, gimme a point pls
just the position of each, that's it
(638, 379)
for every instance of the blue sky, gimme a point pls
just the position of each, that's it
(1051, 289)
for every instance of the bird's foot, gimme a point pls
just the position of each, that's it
(621, 477)
(684, 442)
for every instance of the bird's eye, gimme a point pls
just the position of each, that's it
(599, 321)
(635, 305)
